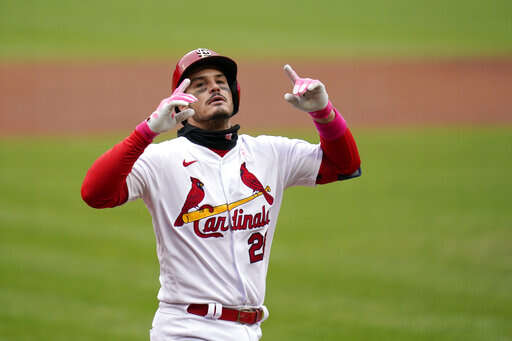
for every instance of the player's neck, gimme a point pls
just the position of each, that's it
(215, 140)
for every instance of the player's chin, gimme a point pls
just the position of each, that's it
(221, 113)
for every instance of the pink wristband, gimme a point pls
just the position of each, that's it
(333, 129)
(324, 113)
(145, 131)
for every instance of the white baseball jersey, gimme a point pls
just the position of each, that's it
(214, 217)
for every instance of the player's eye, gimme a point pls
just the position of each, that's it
(198, 84)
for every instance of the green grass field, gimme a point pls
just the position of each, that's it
(116, 29)
(418, 248)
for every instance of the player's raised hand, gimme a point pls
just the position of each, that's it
(308, 94)
(164, 117)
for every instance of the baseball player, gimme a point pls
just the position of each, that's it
(214, 195)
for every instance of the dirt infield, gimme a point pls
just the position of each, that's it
(50, 98)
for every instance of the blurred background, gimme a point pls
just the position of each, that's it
(418, 248)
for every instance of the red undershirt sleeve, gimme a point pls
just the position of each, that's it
(340, 160)
(104, 184)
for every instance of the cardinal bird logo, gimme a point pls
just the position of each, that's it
(194, 197)
(251, 181)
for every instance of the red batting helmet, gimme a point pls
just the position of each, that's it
(200, 57)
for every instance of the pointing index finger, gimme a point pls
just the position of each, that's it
(183, 85)
(291, 73)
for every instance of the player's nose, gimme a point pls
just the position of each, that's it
(214, 87)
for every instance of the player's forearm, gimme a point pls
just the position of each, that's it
(329, 122)
(105, 182)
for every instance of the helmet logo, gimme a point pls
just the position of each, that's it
(203, 53)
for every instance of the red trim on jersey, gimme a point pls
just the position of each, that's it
(220, 152)
(340, 157)
(104, 184)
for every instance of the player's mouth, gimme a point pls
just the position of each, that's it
(216, 99)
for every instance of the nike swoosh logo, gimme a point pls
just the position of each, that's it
(186, 164)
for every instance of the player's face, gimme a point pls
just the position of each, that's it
(214, 104)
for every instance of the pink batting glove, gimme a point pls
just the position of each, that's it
(309, 95)
(165, 118)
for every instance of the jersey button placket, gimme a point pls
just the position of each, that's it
(225, 178)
